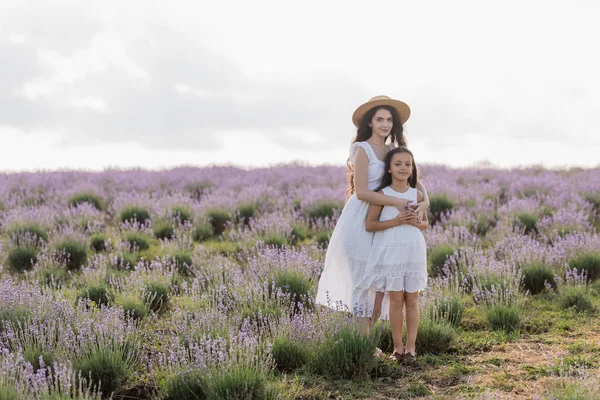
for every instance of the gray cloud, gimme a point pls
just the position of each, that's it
(149, 109)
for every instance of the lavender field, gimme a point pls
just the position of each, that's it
(198, 283)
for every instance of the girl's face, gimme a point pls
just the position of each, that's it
(401, 166)
(382, 123)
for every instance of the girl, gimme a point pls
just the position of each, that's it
(379, 125)
(397, 260)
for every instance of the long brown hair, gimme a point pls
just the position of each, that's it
(386, 178)
(364, 132)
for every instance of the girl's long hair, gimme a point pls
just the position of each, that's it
(364, 132)
(386, 178)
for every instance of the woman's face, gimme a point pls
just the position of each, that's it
(382, 123)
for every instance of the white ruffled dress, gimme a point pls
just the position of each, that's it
(349, 248)
(398, 257)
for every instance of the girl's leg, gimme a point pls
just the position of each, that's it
(411, 301)
(376, 308)
(396, 305)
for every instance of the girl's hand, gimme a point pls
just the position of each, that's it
(406, 217)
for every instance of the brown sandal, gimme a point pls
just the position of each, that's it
(396, 356)
(410, 358)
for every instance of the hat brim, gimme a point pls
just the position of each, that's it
(401, 107)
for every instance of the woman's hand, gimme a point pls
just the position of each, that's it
(421, 207)
(402, 204)
(406, 217)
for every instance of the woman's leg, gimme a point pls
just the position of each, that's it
(411, 302)
(376, 309)
(396, 317)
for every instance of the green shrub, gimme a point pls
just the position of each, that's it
(261, 315)
(98, 242)
(245, 211)
(528, 221)
(197, 190)
(535, 276)
(576, 297)
(13, 316)
(484, 224)
(19, 233)
(275, 240)
(156, 296)
(323, 209)
(109, 365)
(296, 285)
(589, 262)
(383, 332)
(202, 232)
(9, 392)
(134, 213)
(54, 276)
(299, 233)
(574, 390)
(22, 258)
(439, 205)
(448, 310)
(239, 383)
(289, 355)
(224, 248)
(434, 337)
(594, 199)
(125, 260)
(184, 263)
(436, 257)
(133, 308)
(182, 214)
(163, 230)
(218, 218)
(93, 199)
(348, 354)
(503, 317)
(100, 294)
(33, 351)
(74, 251)
(322, 238)
(138, 240)
(188, 385)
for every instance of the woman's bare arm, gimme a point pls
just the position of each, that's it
(421, 223)
(361, 178)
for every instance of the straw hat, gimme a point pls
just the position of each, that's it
(402, 108)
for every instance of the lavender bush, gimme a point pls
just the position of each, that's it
(205, 277)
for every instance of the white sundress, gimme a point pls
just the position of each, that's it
(398, 257)
(349, 248)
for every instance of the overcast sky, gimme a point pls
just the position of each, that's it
(95, 84)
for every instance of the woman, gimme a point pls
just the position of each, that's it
(379, 125)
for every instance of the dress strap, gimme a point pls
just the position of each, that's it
(366, 147)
